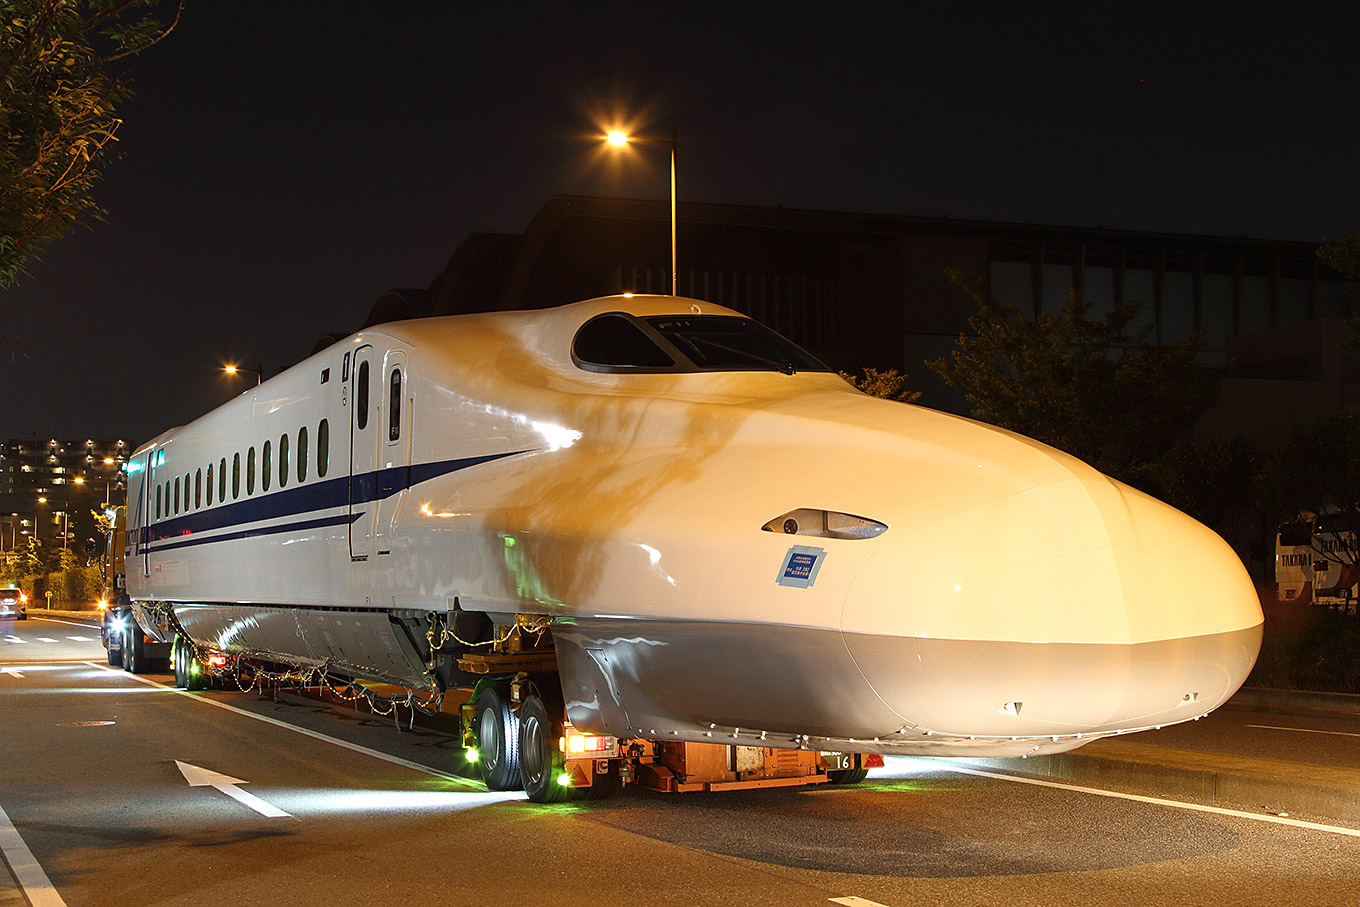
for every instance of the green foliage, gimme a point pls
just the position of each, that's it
(58, 122)
(1343, 256)
(1090, 386)
(1316, 649)
(890, 384)
(1215, 481)
(1316, 472)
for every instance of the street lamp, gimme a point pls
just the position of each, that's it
(233, 369)
(619, 139)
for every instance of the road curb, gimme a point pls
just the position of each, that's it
(1294, 700)
(1217, 779)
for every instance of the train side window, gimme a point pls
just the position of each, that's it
(302, 454)
(361, 396)
(158, 501)
(198, 489)
(394, 406)
(323, 448)
(176, 494)
(250, 471)
(235, 475)
(210, 467)
(222, 480)
(266, 466)
(283, 460)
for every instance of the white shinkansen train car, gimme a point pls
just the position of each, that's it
(652, 519)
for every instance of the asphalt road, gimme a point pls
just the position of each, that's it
(338, 806)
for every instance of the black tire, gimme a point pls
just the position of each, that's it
(498, 754)
(849, 775)
(195, 676)
(540, 759)
(134, 649)
(177, 664)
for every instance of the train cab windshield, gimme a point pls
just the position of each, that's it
(618, 342)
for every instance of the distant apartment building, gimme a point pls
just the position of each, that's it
(48, 484)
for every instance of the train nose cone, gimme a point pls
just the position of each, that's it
(1072, 607)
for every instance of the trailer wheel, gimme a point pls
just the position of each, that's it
(498, 738)
(849, 775)
(133, 650)
(182, 658)
(540, 757)
(177, 664)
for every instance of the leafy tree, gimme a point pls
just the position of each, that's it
(1316, 473)
(1093, 387)
(890, 384)
(58, 121)
(1343, 256)
(1215, 482)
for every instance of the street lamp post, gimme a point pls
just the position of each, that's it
(620, 139)
(233, 369)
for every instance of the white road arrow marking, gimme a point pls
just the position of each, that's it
(11, 671)
(202, 777)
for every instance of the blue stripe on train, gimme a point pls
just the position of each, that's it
(342, 491)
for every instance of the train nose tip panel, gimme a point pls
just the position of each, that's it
(1068, 608)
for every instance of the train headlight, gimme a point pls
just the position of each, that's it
(826, 524)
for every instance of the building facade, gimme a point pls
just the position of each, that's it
(874, 290)
(49, 486)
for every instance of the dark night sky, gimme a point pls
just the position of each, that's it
(285, 163)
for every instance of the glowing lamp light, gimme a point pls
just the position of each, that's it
(564, 779)
(617, 138)
(472, 755)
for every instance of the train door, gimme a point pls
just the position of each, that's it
(145, 515)
(393, 449)
(363, 455)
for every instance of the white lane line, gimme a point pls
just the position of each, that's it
(46, 639)
(853, 901)
(15, 639)
(1158, 801)
(395, 760)
(69, 623)
(1302, 730)
(80, 639)
(37, 887)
